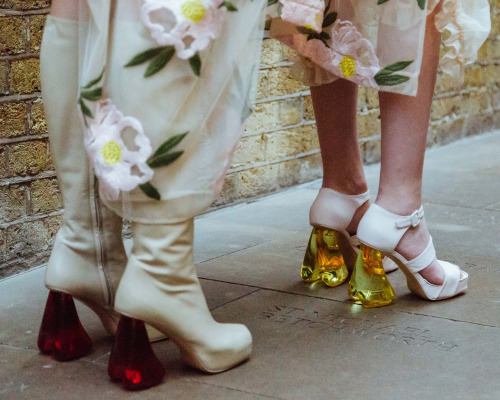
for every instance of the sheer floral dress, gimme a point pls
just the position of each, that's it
(165, 88)
(377, 44)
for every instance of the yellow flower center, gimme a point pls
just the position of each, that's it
(308, 26)
(111, 152)
(348, 66)
(193, 10)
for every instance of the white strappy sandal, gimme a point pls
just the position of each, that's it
(382, 230)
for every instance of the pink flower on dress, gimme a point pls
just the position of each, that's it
(353, 56)
(307, 13)
(349, 55)
(188, 25)
(117, 167)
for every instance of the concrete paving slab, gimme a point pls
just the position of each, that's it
(29, 375)
(320, 349)
(22, 302)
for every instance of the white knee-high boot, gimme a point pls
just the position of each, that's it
(160, 287)
(88, 258)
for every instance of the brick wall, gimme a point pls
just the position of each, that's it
(30, 203)
(279, 148)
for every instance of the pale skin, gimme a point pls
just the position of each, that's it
(405, 121)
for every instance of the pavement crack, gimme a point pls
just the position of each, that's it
(235, 299)
(231, 252)
(449, 319)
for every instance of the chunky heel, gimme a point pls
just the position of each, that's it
(368, 284)
(61, 332)
(132, 359)
(323, 258)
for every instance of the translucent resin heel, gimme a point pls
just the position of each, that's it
(61, 332)
(323, 259)
(132, 359)
(369, 285)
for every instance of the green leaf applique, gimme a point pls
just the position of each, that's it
(94, 81)
(144, 56)
(169, 144)
(157, 57)
(271, 2)
(195, 63)
(89, 94)
(162, 157)
(329, 19)
(92, 95)
(150, 191)
(387, 76)
(159, 61)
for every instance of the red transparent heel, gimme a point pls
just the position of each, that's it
(132, 359)
(61, 332)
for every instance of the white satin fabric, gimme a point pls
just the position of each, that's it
(395, 29)
(211, 107)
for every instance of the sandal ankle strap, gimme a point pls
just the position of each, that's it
(383, 230)
(411, 220)
(334, 210)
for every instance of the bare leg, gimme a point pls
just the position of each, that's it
(64, 9)
(405, 121)
(335, 108)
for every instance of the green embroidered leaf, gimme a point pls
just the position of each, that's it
(271, 2)
(92, 95)
(329, 19)
(164, 159)
(85, 110)
(144, 56)
(381, 2)
(195, 63)
(150, 191)
(390, 80)
(230, 6)
(328, 6)
(169, 144)
(398, 66)
(159, 61)
(421, 4)
(94, 81)
(324, 35)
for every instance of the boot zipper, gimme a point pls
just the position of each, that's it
(101, 251)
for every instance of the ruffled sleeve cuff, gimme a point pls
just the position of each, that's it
(466, 25)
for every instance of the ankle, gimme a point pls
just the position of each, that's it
(399, 205)
(348, 187)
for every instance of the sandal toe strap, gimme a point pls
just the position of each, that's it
(423, 260)
(451, 280)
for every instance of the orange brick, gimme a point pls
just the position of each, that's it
(13, 35)
(25, 76)
(12, 119)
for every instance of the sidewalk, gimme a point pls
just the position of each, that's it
(310, 342)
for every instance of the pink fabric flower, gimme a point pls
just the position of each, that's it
(349, 55)
(117, 167)
(354, 57)
(307, 13)
(188, 25)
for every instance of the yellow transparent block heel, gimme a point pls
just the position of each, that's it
(323, 259)
(368, 284)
